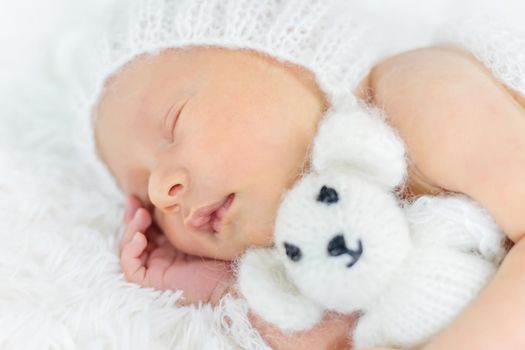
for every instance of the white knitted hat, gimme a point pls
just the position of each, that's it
(325, 36)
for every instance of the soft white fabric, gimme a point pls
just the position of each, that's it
(60, 283)
(493, 40)
(61, 286)
(344, 242)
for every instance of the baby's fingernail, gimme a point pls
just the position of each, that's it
(136, 236)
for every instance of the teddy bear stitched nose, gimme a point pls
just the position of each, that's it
(337, 246)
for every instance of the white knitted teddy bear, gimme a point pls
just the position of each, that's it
(345, 242)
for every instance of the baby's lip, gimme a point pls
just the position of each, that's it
(203, 215)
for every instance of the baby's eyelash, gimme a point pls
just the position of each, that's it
(171, 120)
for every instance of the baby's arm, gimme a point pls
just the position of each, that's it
(465, 133)
(332, 333)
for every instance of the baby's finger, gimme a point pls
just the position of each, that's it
(155, 235)
(132, 259)
(138, 223)
(129, 231)
(133, 203)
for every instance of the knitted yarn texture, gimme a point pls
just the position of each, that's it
(490, 37)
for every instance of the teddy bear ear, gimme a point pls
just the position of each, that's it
(359, 138)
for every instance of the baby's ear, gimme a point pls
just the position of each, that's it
(360, 138)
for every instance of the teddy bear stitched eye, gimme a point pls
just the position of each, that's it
(292, 251)
(327, 195)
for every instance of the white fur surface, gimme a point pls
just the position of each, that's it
(60, 282)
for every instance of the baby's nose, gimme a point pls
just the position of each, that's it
(166, 192)
(173, 192)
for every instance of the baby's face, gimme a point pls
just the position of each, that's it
(190, 128)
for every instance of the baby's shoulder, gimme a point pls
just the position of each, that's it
(446, 72)
(433, 96)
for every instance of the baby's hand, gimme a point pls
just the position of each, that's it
(149, 259)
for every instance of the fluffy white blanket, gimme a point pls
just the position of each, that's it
(61, 285)
(60, 222)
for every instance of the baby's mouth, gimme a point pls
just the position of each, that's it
(216, 216)
(212, 220)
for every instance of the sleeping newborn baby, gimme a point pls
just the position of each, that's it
(212, 137)
(205, 140)
(210, 169)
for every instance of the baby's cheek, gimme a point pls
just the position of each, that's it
(259, 229)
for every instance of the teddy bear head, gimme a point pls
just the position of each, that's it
(341, 238)
(340, 231)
